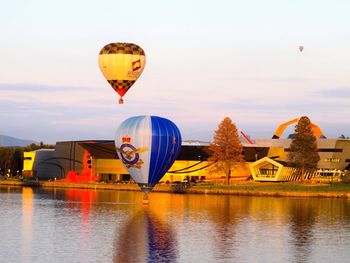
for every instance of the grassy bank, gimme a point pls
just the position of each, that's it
(306, 189)
(290, 189)
(286, 186)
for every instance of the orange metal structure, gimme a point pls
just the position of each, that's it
(247, 138)
(317, 131)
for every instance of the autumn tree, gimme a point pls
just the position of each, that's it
(226, 148)
(303, 148)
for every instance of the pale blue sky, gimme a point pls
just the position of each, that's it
(205, 60)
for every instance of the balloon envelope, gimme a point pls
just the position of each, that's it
(301, 48)
(147, 147)
(121, 64)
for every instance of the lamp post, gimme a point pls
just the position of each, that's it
(91, 169)
(199, 158)
(90, 165)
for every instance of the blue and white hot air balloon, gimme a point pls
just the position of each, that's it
(147, 147)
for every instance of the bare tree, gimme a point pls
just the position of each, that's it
(226, 149)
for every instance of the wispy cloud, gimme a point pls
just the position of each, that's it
(338, 93)
(28, 87)
(63, 113)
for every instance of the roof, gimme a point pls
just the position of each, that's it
(194, 143)
(100, 149)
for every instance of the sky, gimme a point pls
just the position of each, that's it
(206, 60)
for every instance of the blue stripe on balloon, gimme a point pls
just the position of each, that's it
(174, 147)
(157, 149)
(154, 152)
(164, 150)
(166, 136)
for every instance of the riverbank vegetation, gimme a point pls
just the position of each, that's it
(11, 158)
(283, 187)
(248, 188)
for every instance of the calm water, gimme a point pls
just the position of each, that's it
(68, 225)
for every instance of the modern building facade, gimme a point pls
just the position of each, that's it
(97, 160)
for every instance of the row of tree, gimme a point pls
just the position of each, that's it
(11, 158)
(227, 149)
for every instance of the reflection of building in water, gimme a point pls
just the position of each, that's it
(83, 197)
(146, 238)
(27, 224)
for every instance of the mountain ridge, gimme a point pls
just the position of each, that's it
(8, 141)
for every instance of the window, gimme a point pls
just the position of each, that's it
(332, 160)
(324, 150)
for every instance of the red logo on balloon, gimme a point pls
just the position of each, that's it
(136, 65)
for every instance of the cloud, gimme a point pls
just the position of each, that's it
(53, 113)
(43, 96)
(28, 87)
(338, 93)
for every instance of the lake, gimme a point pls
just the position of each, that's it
(73, 225)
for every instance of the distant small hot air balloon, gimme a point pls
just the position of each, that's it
(121, 64)
(147, 147)
(301, 48)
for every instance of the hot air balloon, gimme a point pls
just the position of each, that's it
(121, 64)
(147, 147)
(301, 48)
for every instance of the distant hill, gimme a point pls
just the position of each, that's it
(6, 141)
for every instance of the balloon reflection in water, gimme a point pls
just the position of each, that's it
(146, 238)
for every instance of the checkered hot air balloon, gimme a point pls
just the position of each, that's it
(147, 147)
(121, 64)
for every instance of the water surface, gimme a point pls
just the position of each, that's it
(71, 225)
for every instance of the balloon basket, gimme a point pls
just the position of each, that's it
(121, 101)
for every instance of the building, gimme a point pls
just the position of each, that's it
(334, 160)
(267, 160)
(96, 160)
(38, 162)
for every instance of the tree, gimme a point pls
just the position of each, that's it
(303, 148)
(226, 149)
(17, 165)
(11, 158)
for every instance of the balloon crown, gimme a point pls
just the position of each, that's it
(126, 139)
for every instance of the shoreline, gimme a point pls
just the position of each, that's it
(210, 190)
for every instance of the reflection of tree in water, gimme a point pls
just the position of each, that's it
(302, 219)
(146, 238)
(225, 215)
(225, 227)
